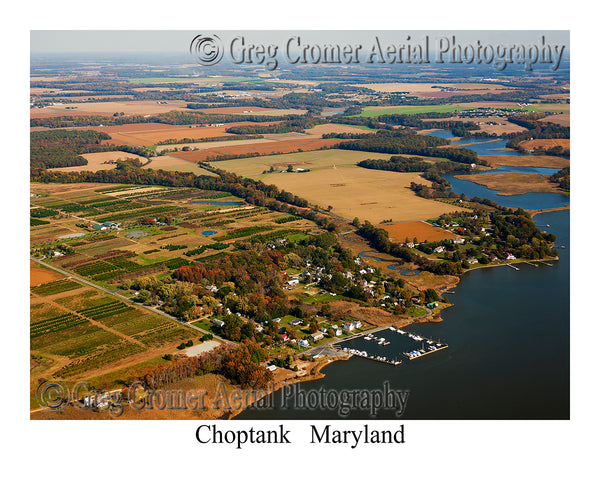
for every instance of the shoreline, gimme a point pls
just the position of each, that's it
(533, 213)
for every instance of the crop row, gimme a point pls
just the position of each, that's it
(57, 286)
(55, 324)
(101, 359)
(203, 248)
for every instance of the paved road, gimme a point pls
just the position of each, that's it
(122, 297)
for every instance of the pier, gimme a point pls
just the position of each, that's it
(402, 342)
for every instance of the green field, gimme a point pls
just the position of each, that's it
(409, 110)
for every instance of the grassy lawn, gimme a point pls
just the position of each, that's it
(416, 311)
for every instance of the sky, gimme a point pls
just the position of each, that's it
(157, 41)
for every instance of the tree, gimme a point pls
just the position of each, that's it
(313, 327)
(290, 168)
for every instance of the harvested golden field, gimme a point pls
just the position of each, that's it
(546, 161)
(253, 111)
(151, 134)
(210, 145)
(545, 143)
(173, 164)
(131, 107)
(39, 275)
(513, 183)
(288, 146)
(373, 195)
(562, 119)
(254, 167)
(100, 161)
(422, 231)
(429, 90)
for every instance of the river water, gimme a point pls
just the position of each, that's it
(508, 337)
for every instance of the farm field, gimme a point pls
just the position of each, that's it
(373, 195)
(286, 146)
(83, 331)
(422, 231)
(433, 90)
(253, 111)
(410, 109)
(210, 145)
(151, 134)
(513, 183)
(173, 164)
(39, 275)
(130, 107)
(98, 161)
(138, 247)
(255, 166)
(545, 143)
(562, 119)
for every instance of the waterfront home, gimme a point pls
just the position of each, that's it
(315, 337)
(510, 256)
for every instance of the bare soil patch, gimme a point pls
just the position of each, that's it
(39, 275)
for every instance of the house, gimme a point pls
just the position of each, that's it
(432, 305)
(217, 322)
(458, 240)
(472, 261)
(285, 338)
(99, 227)
(303, 343)
(276, 320)
(510, 256)
(348, 326)
(337, 331)
(315, 337)
(439, 249)
(293, 282)
(295, 321)
(272, 368)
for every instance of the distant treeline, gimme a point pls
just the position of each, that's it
(172, 118)
(296, 125)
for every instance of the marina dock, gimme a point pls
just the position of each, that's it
(402, 344)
